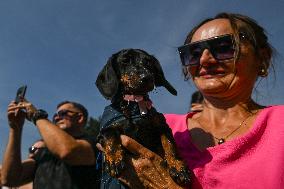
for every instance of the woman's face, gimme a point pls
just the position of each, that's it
(224, 79)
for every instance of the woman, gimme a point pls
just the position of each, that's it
(234, 142)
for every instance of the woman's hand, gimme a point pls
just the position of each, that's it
(144, 169)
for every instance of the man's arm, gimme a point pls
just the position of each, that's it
(64, 146)
(14, 172)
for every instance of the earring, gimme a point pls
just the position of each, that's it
(263, 72)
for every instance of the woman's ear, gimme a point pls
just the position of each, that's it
(265, 55)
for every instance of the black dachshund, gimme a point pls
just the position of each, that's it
(126, 80)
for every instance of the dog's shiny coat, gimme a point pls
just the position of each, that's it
(134, 73)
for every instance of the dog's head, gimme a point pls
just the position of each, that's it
(131, 71)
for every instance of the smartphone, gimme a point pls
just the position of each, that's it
(21, 92)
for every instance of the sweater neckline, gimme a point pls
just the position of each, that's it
(235, 141)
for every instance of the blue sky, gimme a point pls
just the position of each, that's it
(57, 48)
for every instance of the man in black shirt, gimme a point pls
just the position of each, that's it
(67, 161)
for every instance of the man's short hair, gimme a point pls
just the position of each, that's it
(78, 106)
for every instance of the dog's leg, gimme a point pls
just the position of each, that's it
(110, 140)
(177, 168)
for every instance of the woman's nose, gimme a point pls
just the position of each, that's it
(207, 58)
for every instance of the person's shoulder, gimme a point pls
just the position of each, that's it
(273, 112)
(275, 108)
(174, 118)
(177, 122)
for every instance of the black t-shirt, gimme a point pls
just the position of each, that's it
(53, 173)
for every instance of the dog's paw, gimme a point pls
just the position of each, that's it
(181, 177)
(114, 169)
(114, 162)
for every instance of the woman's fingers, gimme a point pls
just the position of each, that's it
(145, 169)
(143, 155)
(99, 146)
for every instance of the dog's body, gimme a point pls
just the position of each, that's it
(126, 80)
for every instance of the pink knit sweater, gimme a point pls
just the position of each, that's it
(254, 160)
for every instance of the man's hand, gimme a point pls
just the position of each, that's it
(16, 116)
(29, 108)
(23, 108)
(15, 172)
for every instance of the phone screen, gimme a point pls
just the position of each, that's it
(20, 94)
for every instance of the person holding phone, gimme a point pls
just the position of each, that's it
(234, 142)
(68, 159)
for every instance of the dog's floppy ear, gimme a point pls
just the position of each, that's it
(107, 81)
(160, 79)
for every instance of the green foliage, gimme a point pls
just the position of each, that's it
(92, 127)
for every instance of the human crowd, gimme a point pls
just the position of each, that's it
(227, 140)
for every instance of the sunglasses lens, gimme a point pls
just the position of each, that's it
(222, 48)
(63, 113)
(60, 114)
(189, 56)
(195, 52)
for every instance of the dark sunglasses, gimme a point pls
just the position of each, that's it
(63, 113)
(221, 47)
(33, 149)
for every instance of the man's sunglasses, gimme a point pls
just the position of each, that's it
(221, 47)
(63, 113)
(33, 149)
